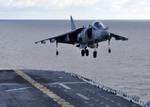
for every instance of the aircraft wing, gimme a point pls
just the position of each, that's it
(68, 38)
(117, 37)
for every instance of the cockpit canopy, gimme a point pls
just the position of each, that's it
(98, 25)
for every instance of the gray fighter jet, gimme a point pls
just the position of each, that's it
(85, 37)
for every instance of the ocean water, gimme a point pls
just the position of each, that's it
(126, 69)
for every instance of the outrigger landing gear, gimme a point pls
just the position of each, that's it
(109, 50)
(57, 52)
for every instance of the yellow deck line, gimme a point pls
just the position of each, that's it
(44, 89)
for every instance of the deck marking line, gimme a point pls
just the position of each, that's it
(8, 84)
(44, 89)
(17, 89)
(82, 96)
(64, 86)
(55, 83)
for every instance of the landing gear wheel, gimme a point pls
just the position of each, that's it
(82, 52)
(87, 52)
(109, 50)
(94, 54)
(57, 53)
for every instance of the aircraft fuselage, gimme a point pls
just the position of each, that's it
(90, 37)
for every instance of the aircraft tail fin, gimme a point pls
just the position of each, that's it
(73, 26)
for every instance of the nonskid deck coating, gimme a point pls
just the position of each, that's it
(16, 91)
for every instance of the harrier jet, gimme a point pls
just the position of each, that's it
(85, 37)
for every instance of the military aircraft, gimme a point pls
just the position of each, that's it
(85, 37)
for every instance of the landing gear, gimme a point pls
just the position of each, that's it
(87, 52)
(109, 50)
(95, 54)
(57, 52)
(84, 52)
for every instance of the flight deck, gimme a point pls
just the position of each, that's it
(41, 88)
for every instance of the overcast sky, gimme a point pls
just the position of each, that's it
(79, 9)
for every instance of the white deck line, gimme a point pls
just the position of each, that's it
(64, 86)
(62, 102)
(9, 84)
(82, 96)
(17, 89)
(55, 83)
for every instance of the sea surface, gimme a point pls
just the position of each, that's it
(127, 68)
